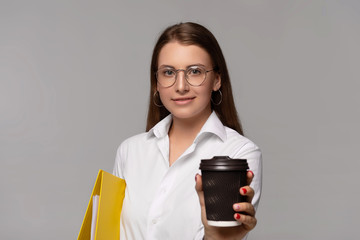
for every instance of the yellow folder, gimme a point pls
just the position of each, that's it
(111, 191)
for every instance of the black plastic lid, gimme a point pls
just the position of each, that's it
(223, 163)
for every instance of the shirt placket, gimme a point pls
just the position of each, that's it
(155, 220)
(156, 210)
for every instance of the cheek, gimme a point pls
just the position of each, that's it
(162, 93)
(205, 93)
(208, 89)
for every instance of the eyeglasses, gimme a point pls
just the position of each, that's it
(194, 75)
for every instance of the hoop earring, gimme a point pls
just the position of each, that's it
(218, 103)
(154, 99)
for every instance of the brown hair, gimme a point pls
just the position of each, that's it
(194, 34)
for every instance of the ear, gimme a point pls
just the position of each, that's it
(217, 82)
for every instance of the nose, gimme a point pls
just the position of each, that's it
(181, 84)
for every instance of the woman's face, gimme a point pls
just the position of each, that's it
(182, 100)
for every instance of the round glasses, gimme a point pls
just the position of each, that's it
(194, 75)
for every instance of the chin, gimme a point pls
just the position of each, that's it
(189, 114)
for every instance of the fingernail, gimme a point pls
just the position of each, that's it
(236, 207)
(252, 173)
(244, 190)
(237, 216)
(195, 177)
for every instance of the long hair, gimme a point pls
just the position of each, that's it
(194, 34)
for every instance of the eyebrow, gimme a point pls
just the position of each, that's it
(191, 65)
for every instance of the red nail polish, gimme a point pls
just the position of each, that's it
(252, 173)
(244, 190)
(237, 216)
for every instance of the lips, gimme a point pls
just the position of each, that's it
(183, 100)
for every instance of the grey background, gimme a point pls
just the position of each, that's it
(74, 84)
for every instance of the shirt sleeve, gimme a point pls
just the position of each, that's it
(253, 155)
(118, 166)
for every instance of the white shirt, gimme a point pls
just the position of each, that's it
(160, 201)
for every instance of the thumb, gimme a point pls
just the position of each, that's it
(199, 190)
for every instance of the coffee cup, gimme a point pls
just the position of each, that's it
(222, 177)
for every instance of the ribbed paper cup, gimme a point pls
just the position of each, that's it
(222, 177)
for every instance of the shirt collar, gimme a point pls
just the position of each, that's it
(213, 125)
(161, 129)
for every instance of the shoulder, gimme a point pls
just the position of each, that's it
(234, 136)
(241, 144)
(131, 145)
(138, 139)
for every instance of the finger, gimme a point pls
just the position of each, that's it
(248, 222)
(200, 192)
(249, 176)
(245, 208)
(248, 192)
(198, 188)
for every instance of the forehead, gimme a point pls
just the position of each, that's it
(180, 56)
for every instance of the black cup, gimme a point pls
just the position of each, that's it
(222, 177)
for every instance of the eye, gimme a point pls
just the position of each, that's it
(168, 73)
(193, 71)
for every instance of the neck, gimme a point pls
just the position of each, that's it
(187, 128)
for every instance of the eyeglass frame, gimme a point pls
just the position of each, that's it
(186, 77)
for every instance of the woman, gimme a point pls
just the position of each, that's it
(191, 116)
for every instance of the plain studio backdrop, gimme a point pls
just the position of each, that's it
(74, 83)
